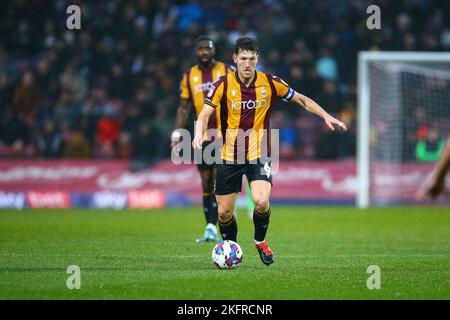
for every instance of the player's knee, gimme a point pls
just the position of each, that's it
(225, 213)
(261, 204)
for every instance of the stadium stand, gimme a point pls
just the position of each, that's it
(99, 92)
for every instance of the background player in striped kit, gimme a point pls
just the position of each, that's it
(195, 83)
(246, 98)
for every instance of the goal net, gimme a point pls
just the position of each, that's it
(403, 121)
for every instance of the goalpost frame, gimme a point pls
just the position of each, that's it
(363, 109)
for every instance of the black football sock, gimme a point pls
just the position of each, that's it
(228, 229)
(207, 206)
(212, 212)
(261, 222)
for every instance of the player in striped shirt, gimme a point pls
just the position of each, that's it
(196, 82)
(245, 99)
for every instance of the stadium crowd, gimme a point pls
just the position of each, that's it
(110, 90)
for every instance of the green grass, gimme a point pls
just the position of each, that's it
(321, 253)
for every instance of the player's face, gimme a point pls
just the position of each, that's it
(205, 51)
(246, 63)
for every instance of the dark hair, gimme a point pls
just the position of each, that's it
(203, 38)
(246, 44)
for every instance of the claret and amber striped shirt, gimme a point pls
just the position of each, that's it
(197, 82)
(246, 110)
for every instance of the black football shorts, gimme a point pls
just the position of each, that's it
(206, 166)
(229, 176)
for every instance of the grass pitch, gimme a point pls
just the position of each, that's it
(320, 253)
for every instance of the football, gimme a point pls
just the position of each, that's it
(227, 254)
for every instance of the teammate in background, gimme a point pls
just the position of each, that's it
(195, 83)
(245, 98)
(435, 186)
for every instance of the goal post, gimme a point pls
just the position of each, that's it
(395, 88)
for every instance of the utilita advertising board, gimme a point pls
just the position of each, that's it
(111, 184)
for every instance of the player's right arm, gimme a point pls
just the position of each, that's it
(202, 125)
(436, 185)
(181, 120)
(182, 111)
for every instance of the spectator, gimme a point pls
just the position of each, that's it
(287, 135)
(67, 110)
(49, 141)
(146, 147)
(27, 96)
(242, 30)
(188, 14)
(17, 136)
(326, 65)
(430, 148)
(77, 146)
(108, 131)
(72, 80)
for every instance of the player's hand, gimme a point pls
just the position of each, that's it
(332, 122)
(173, 144)
(175, 138)
(197, 142)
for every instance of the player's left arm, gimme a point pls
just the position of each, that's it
(313, 107)
(229, 68)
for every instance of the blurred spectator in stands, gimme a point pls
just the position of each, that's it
(16, 136)
(216, 13)
(430, 148)
(76, 145)
(165, 17)
(125, 147)
(72, 80)
(119, 87)
(330, 97)
(90, 113)
(327, 145)
(242, 30)
(27, 96)
(326, 65)
(346, 148)
(49, 140)
(275, 64)
(5, 95)
(67, 110)
(287, 135)
(189, 13)
(107, 135)
(131, 120)
(146, 146)
(161, 121)
(308, 136)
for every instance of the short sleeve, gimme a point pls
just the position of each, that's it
(215, 93)
(184, 90)
(283, 90)
(230, 68)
